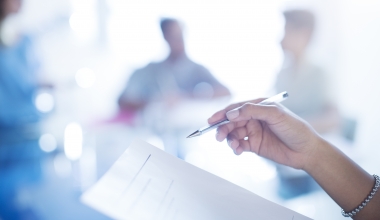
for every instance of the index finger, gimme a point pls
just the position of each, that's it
(220, 115)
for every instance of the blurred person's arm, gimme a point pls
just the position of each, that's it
(277, 134)
(219, 90)
(135, 95)
(125, 105)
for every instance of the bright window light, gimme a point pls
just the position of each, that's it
(83, 24)
(85, 77)
(73, 141)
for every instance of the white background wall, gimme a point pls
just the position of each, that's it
(236, 40)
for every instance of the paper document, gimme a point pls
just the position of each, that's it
(147, 183)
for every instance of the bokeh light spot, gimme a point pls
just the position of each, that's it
(44, 102)
(48, 143)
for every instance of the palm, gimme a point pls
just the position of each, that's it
(280, 135)
(262, 140)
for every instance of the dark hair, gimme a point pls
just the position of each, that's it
(302, 19)
(165, 23)
(2, 12)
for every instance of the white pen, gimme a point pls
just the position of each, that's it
(277, 98)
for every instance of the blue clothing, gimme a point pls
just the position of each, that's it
(17, 85)
(18, 115)
(19, 150)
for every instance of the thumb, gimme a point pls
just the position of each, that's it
(271, 114)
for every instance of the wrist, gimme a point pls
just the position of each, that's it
(322, 150)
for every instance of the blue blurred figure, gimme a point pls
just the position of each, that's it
(19, 119)
(174, 79)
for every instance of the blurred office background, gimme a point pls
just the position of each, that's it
(88, 49)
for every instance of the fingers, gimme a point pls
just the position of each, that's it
(220, 115)
(252, 131)
(224, 130)
(239, 133)
(245, 121)
(239, 146)
(244, 145)
(271, 114)
(235, 137)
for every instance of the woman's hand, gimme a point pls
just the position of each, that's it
(276, 133)
(273, 132)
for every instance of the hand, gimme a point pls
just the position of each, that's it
(173, 99)
(273, 132)
(276, 133)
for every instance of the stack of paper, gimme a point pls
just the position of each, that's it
(147, 183)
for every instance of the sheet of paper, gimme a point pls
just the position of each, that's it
(148, 184)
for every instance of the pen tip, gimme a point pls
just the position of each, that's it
(194, 134)
(285, 95)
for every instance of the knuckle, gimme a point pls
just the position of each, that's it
(277, 113)
(280, 112)
(247, 110)
(247, 107)
(232, 106)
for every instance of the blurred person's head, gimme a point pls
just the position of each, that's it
(173, 35)
(299, 27)
(8, 7)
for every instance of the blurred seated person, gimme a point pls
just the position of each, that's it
(307, 83)
(174, 79)
(308, 87)
(20, 155)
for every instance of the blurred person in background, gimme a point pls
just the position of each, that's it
(162, 90)
(174, 79)
(19, 119)
(308, 85)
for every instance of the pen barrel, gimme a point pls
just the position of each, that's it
(277, 98)
(211, 127)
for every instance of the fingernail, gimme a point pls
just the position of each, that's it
(218, 136)
(235, 152)
(229, 142)
(233, 114)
